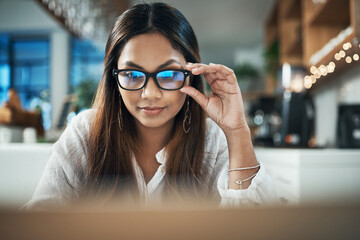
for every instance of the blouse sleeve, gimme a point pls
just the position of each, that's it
(64, 172)
(260, 191)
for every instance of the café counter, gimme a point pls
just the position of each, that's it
(300, 175)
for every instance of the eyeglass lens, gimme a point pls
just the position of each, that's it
(168, 79)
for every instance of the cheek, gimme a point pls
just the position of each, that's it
(177, 101)
(129, 99)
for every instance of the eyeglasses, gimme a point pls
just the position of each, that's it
(169, 79)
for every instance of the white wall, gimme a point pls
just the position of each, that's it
(27, 18)
(345, 89)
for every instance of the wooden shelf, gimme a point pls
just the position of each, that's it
(304, 28)
(321, 23)
(293, 50)
(271, 29)
(332, 12)
(290, 32)
(292, 9)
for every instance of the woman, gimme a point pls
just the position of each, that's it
(147, 135)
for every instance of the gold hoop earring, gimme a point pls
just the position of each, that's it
(120, 121)
(187, 119)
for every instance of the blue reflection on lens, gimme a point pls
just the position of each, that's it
(137, 79)
(170, 79)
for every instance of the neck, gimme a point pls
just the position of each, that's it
(152, 140)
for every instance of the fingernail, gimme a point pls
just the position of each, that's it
(189, 63)
(211, 63)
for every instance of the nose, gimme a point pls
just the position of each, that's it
(151, 90)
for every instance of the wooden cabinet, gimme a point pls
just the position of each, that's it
(291, 47)
(323, 22)
(304, 27)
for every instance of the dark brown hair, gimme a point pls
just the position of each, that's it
(110, 150)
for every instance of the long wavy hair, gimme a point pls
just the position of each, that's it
(110, 168)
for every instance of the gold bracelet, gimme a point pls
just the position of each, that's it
(244, 168)
(240, 182)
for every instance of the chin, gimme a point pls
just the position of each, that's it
(154, 123)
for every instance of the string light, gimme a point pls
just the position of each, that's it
(317, 75)
(313, 69)
(307, 85)
(316, 72)
(347, 46)
(323, 70)
(337, 56)
(348, 59)
(90, 19)
(342, 53)
(307, 80)
(313, 79)
(330, 67)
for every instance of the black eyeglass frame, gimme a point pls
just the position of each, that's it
(115, 73)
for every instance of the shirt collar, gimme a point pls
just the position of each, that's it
(161, 156)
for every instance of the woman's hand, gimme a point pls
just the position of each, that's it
(226, 108)
(225, 105)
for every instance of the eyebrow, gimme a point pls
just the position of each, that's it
(132, 64)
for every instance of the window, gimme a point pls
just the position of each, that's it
(30, 69)
(24, 66)
(86, 70)
(4, 68)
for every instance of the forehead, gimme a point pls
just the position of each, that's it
(149, 50)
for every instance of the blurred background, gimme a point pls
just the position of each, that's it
(297, 64)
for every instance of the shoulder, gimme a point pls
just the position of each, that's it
(70, 152)
(80, 124)
(75, 137)
(83, 119)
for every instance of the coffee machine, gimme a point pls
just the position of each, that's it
(348, 127)
(297, 119)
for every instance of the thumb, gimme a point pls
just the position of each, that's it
(196, 95)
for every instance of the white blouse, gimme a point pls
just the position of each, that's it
(67, 164)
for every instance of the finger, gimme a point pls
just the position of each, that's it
(196, 95)
(199, 68)
(217, 75)
(213, 72)
(212, 66)
(216, 81)
(223, 68)
(210, 76)
(228, 72)
(221, 71)
(191, 66)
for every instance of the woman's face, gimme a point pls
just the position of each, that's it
(151, 106)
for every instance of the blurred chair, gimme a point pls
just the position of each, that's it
(13, 116)
(68, 106)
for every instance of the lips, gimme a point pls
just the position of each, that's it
(152, 111)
